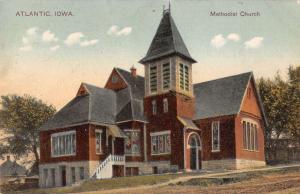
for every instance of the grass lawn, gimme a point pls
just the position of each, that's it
(121, 182)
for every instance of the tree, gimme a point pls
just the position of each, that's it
(21, 117)
(281, 102)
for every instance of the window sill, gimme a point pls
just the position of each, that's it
(63, 155)
(160, 154)
(100, 153)
(137, 154)
(250, 150)
(214, 151)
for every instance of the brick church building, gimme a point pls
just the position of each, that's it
(158, 123)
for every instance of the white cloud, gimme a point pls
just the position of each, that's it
(114, 30)
(234, 37)
(298, 2)
(89, 42)
(32, 31)
(125, 31)
(48, 36)
(74, 38)
(26, 48)
(255, 42)
(25, 40)
(54, 48)
(218, 41)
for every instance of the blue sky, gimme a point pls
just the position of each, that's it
(49, 57)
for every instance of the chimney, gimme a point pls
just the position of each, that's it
(8, 158)
(133, 71)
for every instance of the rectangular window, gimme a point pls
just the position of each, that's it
(132, 142)
(244, 135)
(153, 79)
(215, 132)
(161, 143)
(154, 108)
(255, 137)
(73, 174)
(63, 144)
(81, 173)
(184, 77)
(248, 136)
(250, 141)
(166, 105)
(166, 76)
(98, 134)
(53, 176)
(46, 177)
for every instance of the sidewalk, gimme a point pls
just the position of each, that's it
(186, 178)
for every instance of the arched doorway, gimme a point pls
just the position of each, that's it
(194, 146)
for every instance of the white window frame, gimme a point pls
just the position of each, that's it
(166, 105)
(212, 137)
(158, 134)
(134, 153)
(101, 150)
(253, 132)
(154, 107)
(150, 91)
(187, 89)
(162, 76)
(59, 134)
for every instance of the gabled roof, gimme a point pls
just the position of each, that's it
(102, 106)
(167, 41)
(131, 98)
(86, 108)
(10, 168)
(221, 96)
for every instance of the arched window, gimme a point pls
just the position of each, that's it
(194, 141)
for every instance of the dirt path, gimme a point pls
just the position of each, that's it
(283, 182)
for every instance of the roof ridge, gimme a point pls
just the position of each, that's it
(249, 72)
(118, 68)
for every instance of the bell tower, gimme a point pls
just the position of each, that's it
(168, 71)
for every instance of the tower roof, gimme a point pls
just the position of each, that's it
(167, 41)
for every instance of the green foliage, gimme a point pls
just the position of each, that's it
(281, 100)
(21, 116)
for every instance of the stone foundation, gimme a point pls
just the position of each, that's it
(232, 164)
(147, 167)
(56, 181)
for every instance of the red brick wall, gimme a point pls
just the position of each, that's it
(82, 141)
(250, 109)
(250, 102)
(241, 153)
(178, 105)
(85, 144)
(92, 144)
(227, 138)
(120, 84)
(140, 127)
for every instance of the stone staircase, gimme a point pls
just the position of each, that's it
(105, 169)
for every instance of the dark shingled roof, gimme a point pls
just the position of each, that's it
(10, 168)
(221, 96)
(167, 41)
(103, 105)
(86, 108)
(213, 98)
(134, 96)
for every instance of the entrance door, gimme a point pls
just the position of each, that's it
(193, 158)
(194, 146)
(63, 176)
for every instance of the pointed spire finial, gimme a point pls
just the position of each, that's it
(170, 6)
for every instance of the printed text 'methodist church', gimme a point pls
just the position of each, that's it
(158, 123)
